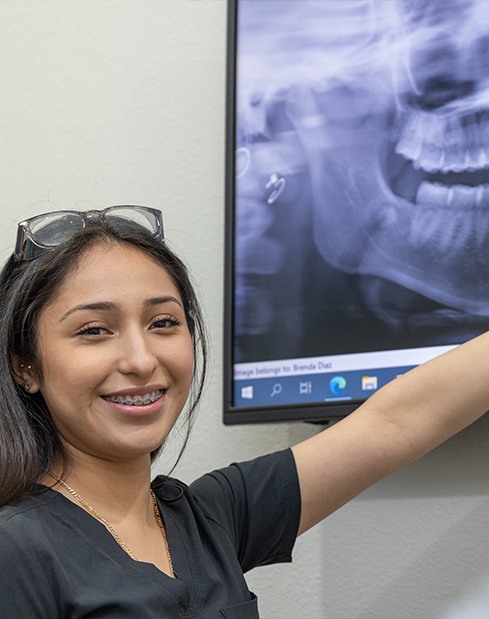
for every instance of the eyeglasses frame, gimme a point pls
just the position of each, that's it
(28, 248)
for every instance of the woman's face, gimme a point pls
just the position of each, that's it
(115, 353)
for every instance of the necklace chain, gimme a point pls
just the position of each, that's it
(111, 529)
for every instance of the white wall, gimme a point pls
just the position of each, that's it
(113, 101)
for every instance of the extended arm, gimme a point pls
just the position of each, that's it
(398, 424)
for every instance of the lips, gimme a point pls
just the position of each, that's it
(142, 399)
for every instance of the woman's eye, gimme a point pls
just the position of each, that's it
(166, 323)
(93, 330)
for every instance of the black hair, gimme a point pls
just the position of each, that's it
(29, 440)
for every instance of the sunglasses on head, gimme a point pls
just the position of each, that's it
(42, 233)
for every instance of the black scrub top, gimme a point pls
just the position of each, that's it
(57, 561)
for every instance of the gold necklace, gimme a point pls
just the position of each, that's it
(110, 528)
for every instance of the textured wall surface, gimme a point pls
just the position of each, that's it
(122, 101)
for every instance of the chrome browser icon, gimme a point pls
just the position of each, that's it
(337, 385)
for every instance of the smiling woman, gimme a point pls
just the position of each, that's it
(102, 348)
(61, 242)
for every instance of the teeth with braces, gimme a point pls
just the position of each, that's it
(137, 400)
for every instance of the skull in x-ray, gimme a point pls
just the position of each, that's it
(392, 118)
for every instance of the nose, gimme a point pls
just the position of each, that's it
(136, 355)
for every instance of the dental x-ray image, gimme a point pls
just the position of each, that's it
(362, 175)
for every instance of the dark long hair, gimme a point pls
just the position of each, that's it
(29, 441)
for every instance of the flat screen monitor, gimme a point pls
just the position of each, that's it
(357, 198)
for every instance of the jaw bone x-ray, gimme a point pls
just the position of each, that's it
(362, 174)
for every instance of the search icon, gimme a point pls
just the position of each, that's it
(276, 389)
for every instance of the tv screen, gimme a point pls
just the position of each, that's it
(357, 198)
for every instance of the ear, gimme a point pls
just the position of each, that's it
(25, 374)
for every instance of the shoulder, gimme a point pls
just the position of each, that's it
(250, 508)
(275, 470)
(232, 495)
(21, 523)
(26, 563)
(39, 498)
(23, 538)
(265, 474)
(258, 503)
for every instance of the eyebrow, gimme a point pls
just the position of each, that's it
(108, 306)
(162, 301)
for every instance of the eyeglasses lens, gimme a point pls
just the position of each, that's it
(119, 216)
(53, 230)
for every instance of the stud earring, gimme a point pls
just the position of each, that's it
(25, 385)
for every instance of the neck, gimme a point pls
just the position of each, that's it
(118, 490)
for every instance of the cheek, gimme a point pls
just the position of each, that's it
(186, 363)
(187, 366)
(66, 375)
